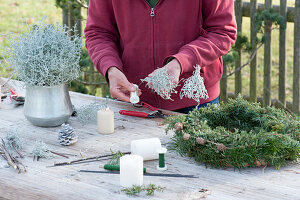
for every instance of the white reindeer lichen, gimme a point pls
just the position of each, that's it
(161, 82)
(45, 55)
(88, 113)
(194, 87)
(13, 140)
(40, 150)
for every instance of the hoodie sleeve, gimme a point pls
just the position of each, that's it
(102, 36)
(215, 40)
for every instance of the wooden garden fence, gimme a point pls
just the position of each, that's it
(249, 9)
(290, 14)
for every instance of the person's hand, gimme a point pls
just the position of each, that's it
(120, 87)
(173, 69)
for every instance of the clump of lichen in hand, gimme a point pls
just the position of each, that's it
(45, 55)
(237, 134)
(194, 87)
(162, 83)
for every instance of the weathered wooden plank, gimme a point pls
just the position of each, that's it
(42, 182)
(296, 71)
(223, 84)
(253, 64)
(238, 61)
(25, 193)
(267, 61)
(282, 55)
(261, 7)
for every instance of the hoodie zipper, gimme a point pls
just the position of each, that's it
(152, 14)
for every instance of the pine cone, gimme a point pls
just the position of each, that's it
(201, 140)
(159, 124)
(221, 147)
(259, 163)
(186, 136)
(66, 136)
(178, 126)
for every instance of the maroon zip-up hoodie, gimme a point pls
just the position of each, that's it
(138, 39)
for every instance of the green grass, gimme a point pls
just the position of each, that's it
(275, 60)
(275, 64)
(14, 13)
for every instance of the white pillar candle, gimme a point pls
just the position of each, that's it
(147, 148)
(134, 98)
(131, 170)
(105, 121)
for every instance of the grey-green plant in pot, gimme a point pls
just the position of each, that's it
(46, 59)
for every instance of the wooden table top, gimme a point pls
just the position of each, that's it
(65, 182)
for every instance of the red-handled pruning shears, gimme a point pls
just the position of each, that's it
(155, 112)
(15, 98)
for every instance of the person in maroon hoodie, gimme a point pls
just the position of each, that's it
(128, 39)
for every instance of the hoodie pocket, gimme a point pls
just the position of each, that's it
(212, 73)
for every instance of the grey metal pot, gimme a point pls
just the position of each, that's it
(47, 106)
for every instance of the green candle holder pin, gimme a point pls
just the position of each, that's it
(161, 159)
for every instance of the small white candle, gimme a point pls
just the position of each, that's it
(105, 121)
(134, 98)
(147, 148)
(131, 170)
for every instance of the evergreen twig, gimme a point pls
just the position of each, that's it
(149, 189)
(115, 160)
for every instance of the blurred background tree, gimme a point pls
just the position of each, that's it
(74, 14)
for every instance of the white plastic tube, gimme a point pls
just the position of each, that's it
(147, 148)
(131, 170)
(134, 98)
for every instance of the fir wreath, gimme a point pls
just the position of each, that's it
(237, 134)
